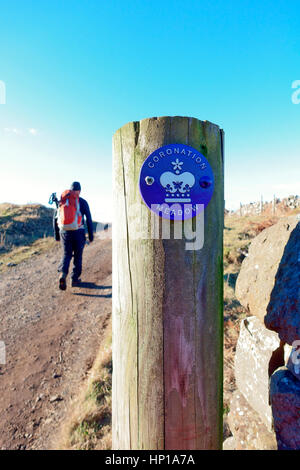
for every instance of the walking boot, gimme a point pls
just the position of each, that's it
(62, 282)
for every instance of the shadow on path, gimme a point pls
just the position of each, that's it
(108, 296)
(91, 285)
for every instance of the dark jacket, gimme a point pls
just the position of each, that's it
(86, 218)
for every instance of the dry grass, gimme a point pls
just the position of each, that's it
(238, 234)
(259, 225)
(23, 213)
(89, 424)
(25, 231)
(21, 225)
(22, 253)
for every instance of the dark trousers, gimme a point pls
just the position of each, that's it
(73, 243)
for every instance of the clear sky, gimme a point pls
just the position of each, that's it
(75, 71)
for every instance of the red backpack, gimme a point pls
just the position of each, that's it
(69, 216)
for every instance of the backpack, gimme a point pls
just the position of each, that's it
(68, 214)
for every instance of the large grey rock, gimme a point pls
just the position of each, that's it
(283, 310)
(258, 353)
(256, 280)
(285, 401)
(249, 431)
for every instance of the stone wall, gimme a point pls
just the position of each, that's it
(275, 207)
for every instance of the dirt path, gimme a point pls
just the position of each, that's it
(51, 340)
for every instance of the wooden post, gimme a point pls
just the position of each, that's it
(167, 303)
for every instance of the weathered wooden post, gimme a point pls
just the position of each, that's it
(167, 300)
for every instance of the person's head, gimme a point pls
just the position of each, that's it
(75, 186)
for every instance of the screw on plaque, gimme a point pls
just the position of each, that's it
(205, 182)
(149, 180)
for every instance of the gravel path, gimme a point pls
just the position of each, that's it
(51, 340)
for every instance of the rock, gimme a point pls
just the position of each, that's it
(10, 265)
(258, 353)
(294, 361)
(226, 428)
(285, 401)
(249, 431)
(55, 398)
(39, 398)
(287, 353)
(229, 444)
(257, 275)
(283, 310)
(48, 420)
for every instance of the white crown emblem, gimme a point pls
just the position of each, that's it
(177, 185)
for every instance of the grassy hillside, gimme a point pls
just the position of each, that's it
(25, 231)
(23, 224)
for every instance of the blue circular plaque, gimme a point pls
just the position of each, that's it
(176, 182)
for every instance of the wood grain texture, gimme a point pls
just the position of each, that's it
(167, 303)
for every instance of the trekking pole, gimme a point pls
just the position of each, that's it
(168, 299)
(53, 199)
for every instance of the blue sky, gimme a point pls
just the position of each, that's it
(75, 71)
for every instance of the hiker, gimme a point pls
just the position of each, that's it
(69, 228)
